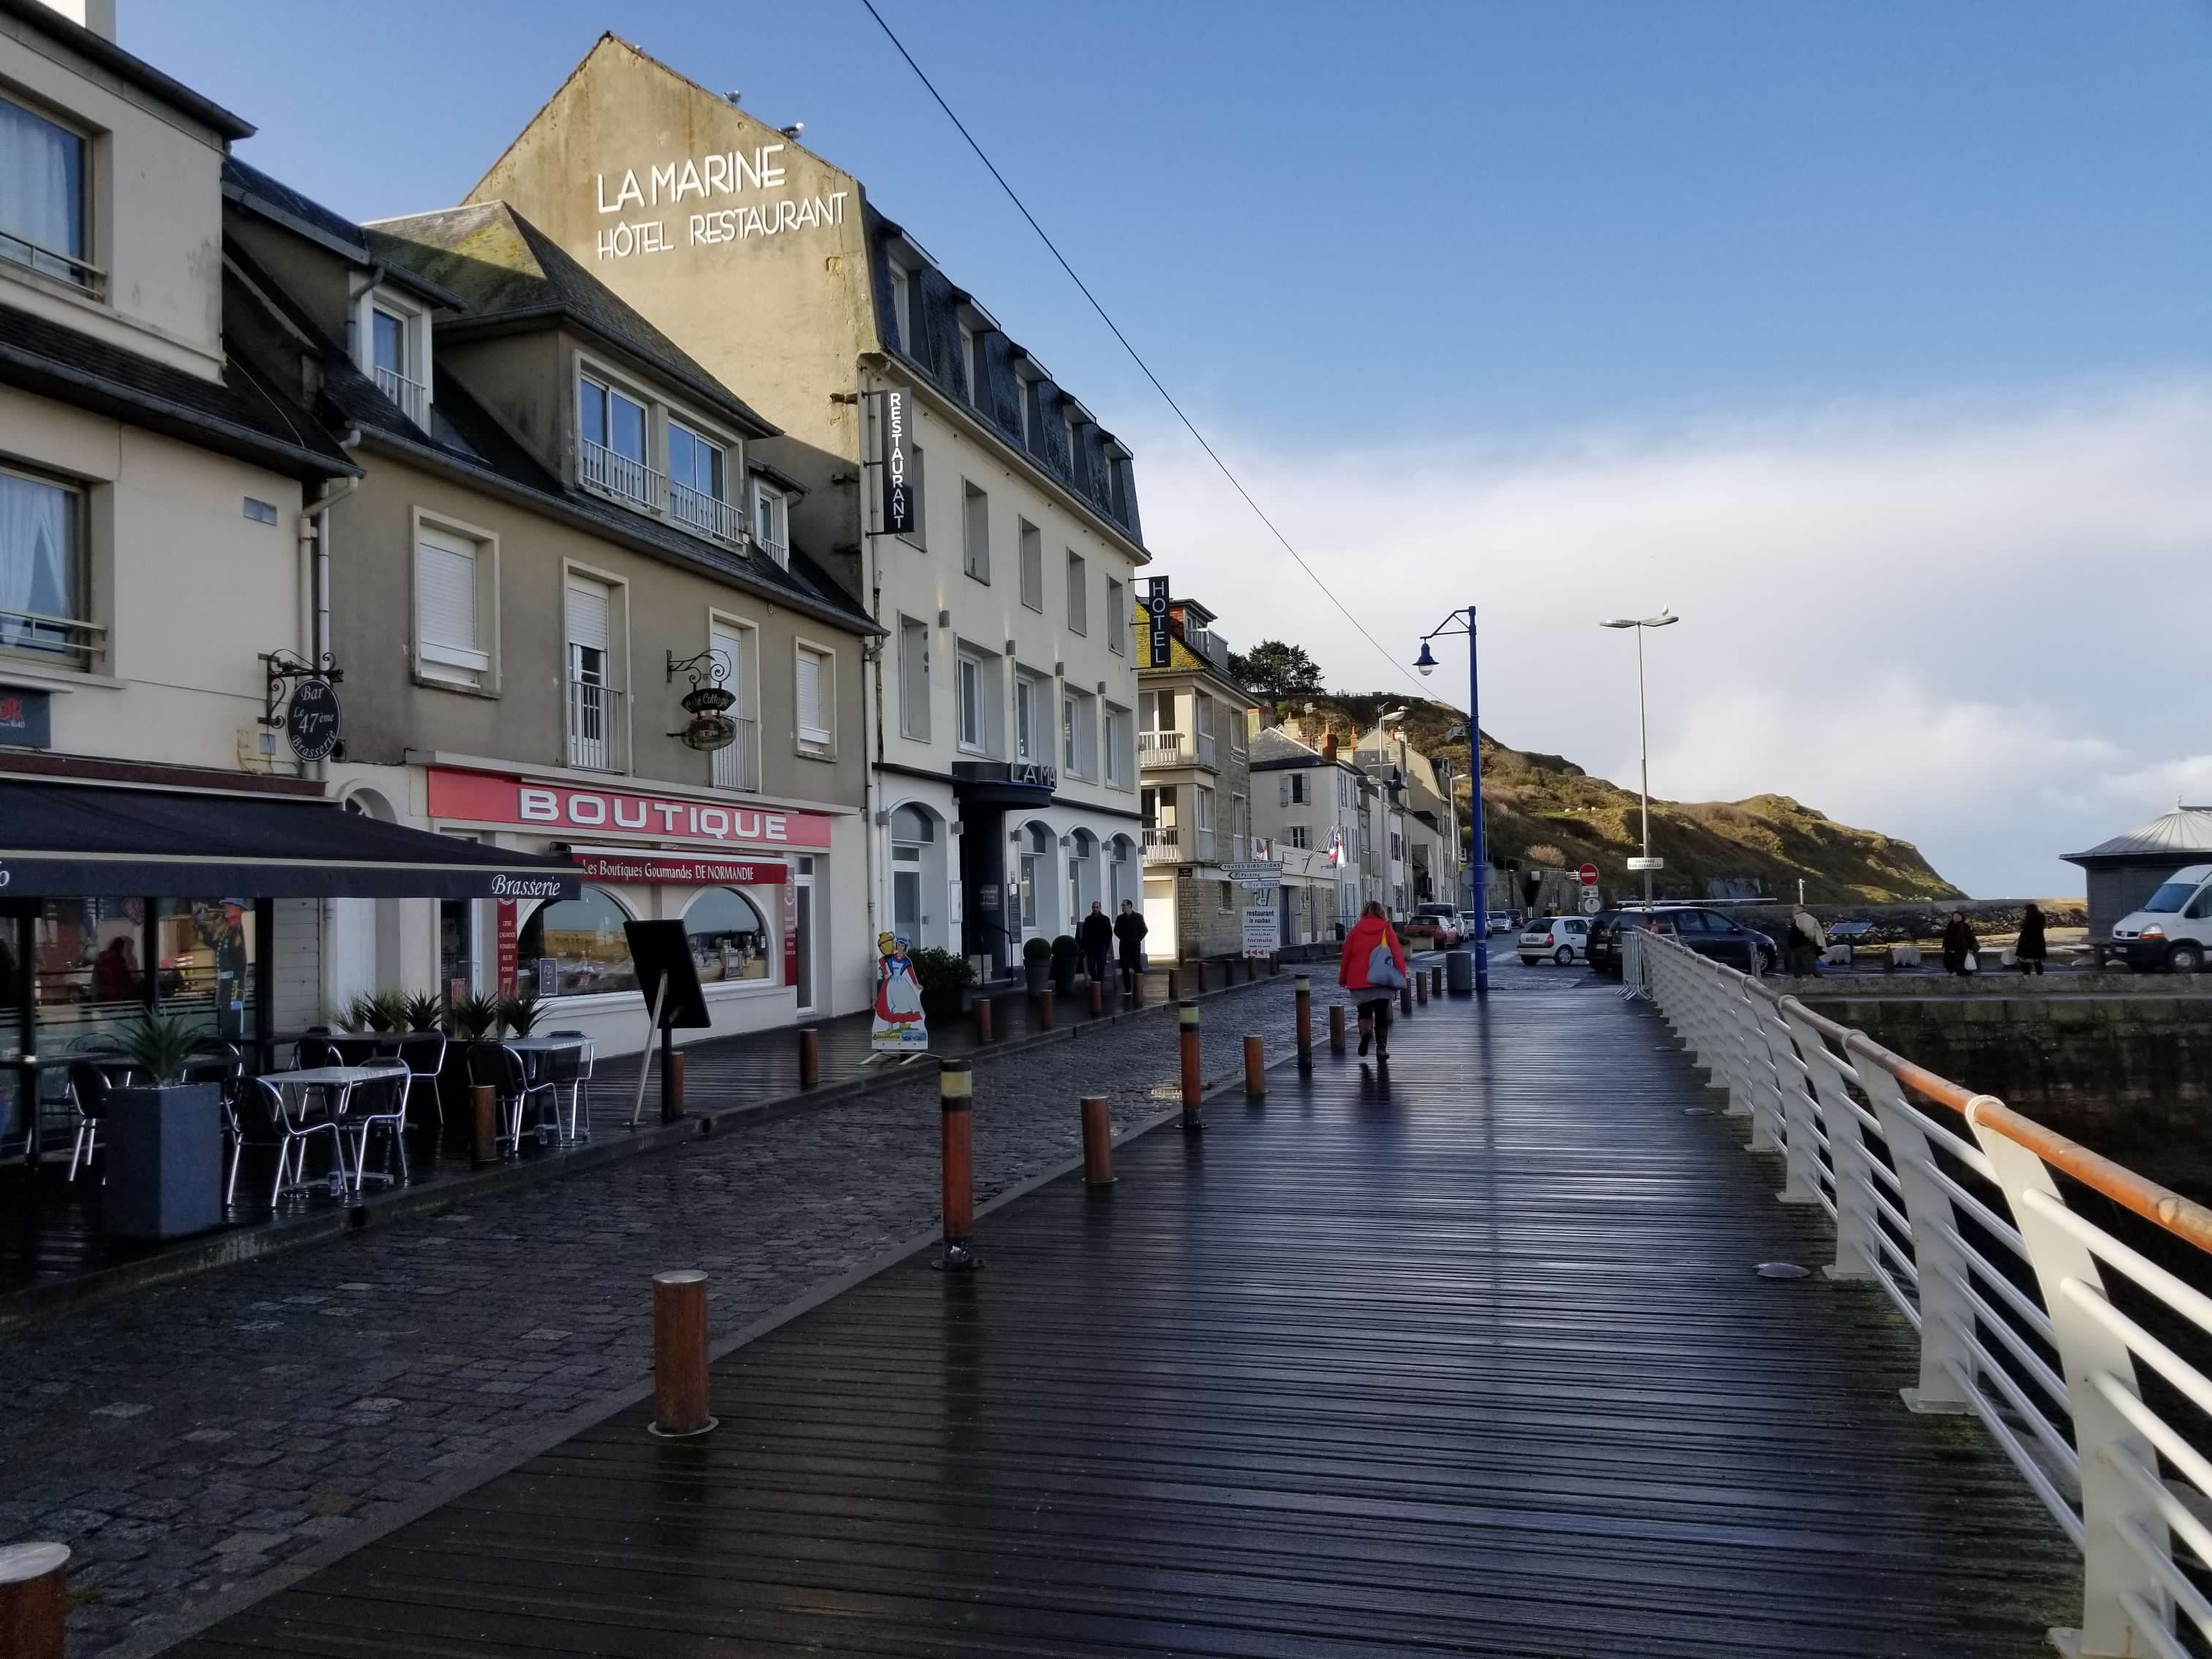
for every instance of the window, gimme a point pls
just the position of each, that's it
(1035, 870)
(1078, 598)
(611, 456)
(1228, 898)
(914, 679)
(918, 504)
(698, 491)
(575, 948)
(1117, 740)
(737, 652)
(1299, 836)
(818, 686)
(43, 586)
(452, 627)
(728, 939)
(1294, 789)
(1079, 735)
(771, 523)
(1032, 708)
(1397, 848)
(1236, 718)
(1240, 827)
(1032, 566)
(1205, 822)
(595, 721)
(1025, 392)
(911, 832)
(974, 725)
(975, 507)
(1117, 619)
(42, 210)
(970, 363)
(902, 303)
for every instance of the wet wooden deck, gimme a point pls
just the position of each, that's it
(1473, 1362)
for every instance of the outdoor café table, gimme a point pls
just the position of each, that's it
(338, 1083)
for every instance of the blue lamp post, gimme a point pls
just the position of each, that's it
(1462, 622)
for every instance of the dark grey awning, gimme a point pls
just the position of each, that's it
(61, 840)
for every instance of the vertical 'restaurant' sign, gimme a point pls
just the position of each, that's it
(894, 442)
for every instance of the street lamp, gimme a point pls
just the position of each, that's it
(1462, 622)
(1666, 618)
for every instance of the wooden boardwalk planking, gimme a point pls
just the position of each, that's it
(1477, 1364)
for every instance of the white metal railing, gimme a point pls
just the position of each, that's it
(626, 479)
(737, 767)
(709, 515)
(774, 552)
(52, 262)
(595, 727)
(412, 396)
(1163, 844)
(1164, 748)
(66, 637)
(1951, 1202)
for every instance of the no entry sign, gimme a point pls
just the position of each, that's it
(1588, 874)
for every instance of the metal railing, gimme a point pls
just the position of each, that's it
(52, 262)
(597, 731)
(737, 767)
(601, 468)
(2031, 1314)
(1163, 843)
(774, 552)
(412, 396)
(1164, 748)
(694, 510)
(66, 637)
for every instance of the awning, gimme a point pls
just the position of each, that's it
(61, 840)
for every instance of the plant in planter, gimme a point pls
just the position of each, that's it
(1037, 963)
(521, 1014)
(164, 1138)
(1063, 966)
(943, 977)
(360, 1013)
(473, 1017)
(420, 1012)
(158, 1045)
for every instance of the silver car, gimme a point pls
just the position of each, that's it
(1564, 939)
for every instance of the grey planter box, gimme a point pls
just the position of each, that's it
(164, 1151)
(1035, 972)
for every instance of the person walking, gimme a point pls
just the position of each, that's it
(2030, 950)
(1129, 928)
(1095, 936)
(1960, 955)
(1806, 941)
(1373, 964)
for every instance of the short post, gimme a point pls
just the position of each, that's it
(1301, 987)
(1174, 985)
(1255, 1069)
(1097, 997)
(1421, 986)
(1136, 989)
(33, 1599)
(1436, 982)
(1251, 969)
(1336, 1028)
(671, 1086)
(1193, 1085)
(483, 1126)
(810, 1056)
(983, 1019)
(1097, 1142)
(1274, 964)
(956, 1093)
(1044, 1009)
(1406, 998)
(679, 1354)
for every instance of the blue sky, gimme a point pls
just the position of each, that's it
(1462, 255)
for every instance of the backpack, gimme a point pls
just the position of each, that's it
(1383, 972)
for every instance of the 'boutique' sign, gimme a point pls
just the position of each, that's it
(488, 797)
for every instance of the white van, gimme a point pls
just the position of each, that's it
(2175, 927)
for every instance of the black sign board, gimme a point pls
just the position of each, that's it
(312, 720)
(1156, 614)
(661, 951)
(894, 451)
(25, 718)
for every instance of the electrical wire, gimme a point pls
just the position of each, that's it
(1135, 357)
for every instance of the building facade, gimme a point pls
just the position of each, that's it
(986, 520)
(1307, 802)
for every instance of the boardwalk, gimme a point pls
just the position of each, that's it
(1476, 1363)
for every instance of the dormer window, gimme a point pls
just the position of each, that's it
(43, 202)
(901, 305)
(610, 447)
(971, 364)
(697, 496)
(396, 341)
(771, 523)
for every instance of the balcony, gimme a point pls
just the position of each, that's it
(1161, 749)
(60, 639)
(694, 510)
(412, 396)
(1163, 844)
(774, 552)
(628, 481)
(597, 730)
(52, 262)
(737, 767)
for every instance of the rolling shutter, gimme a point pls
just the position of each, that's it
(446, 621)
(588, 623)
(814, 725)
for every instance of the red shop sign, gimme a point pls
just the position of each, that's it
(490, 797)
(702, 871)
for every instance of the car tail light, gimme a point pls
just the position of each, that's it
(1547, 939)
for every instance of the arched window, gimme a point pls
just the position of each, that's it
(911, 824)
(575, 948)
(1036, 869)
(729, 940)
(1079, 845)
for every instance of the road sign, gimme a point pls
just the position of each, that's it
(1591, 903)
(1588, 874)
(1647, 863)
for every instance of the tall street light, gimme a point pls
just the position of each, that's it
(1462, 622)
(1664, 619)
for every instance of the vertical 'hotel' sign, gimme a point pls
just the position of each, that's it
(1156, 614)
(895, 444)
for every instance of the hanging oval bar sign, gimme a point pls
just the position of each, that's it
(311, 721)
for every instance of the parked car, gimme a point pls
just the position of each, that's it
(1708, 932)
(1562, 939)
(1441, 917)
(2173, 929)
(1506, 922)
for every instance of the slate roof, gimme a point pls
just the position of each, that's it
(274, 199)
(1273, 747)
(2179, 834)
(505, 269)
(242, 414)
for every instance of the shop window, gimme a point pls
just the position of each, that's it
(88, 972)
(729, 940)
(204, 963)
(1037, 843)
(816, 702)
(454, 585)
(911, 832)
(44, 212)
(44, 592)
(575, 948)
(1032, 541)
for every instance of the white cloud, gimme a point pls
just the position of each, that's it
(1967, 624)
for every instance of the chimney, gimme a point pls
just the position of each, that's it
(1329, 747)
(98, 15)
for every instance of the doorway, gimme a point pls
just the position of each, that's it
(803, 921)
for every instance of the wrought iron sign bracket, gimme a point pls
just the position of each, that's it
(283, 668)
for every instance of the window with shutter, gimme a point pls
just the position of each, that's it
(449, 639)
(1078, 596)
(913, 679)
(814, 693)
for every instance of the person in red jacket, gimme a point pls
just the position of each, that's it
(1372, 932)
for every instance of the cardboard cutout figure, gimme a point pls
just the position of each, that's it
(900, 1027)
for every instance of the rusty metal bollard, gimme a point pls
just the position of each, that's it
(1303, 989)
(1174, 985)
(679, 1354)
(1336, 1028)
(956, 1093)
(810, 1056)
(1044, 1009)
(1097, 1142)
(1251, 969)
(983, 1033)
(33, 1599)
(1193, 1085)
(1421, 987)
(1136, 992)
(1097, 997)
(483, 1126)
(1255, 1069)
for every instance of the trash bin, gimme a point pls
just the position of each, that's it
(164, 1149)
(1459, 971)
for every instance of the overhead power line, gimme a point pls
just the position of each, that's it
(1136, 356)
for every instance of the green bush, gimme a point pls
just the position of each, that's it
(1036, 949)
(940, 971)
(157, 1045)
(1063, 949)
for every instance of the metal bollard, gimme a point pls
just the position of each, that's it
(1275, 963)
(1436, 982)
(1251, 969)
(956, 1092)
(810, 1056)
(1421, 988)
(1136, 990)
(983, 1019)
(1406, 998)
(33, 1599)
(1174, 985)
(1097, 999)
(671, 1086)
(1097, 1142)
(1193, 1085)
(1303, 989)
(679, 1354)
(1255, 1069)
(1044, 1009)
(1336, 1028)
(483, 1126)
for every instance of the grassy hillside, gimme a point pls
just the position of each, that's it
(1532, 803)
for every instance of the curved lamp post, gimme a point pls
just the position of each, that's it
(1462, 622)
(1664, 619)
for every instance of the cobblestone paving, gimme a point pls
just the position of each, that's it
(186, 1439)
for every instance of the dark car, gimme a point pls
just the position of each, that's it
(1708, 932)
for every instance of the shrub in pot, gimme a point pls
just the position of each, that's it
(1037, 963)
(164, 1138)
(943, 977)
(1063, 966)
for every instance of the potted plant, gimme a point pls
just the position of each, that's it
(421, 1011)
(944, 979)
(1037, 962)
(1063, 965)
(521, 1014)
(164, 1138)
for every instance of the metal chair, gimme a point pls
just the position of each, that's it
(497, 1067)
(572, 1069)
(423, 1054)
(87, 1087)
(265, 1120)
(382, 1099)
(316, 1049)
(222, 1063)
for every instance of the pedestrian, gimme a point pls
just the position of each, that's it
(1129, 928)
(1806, 941)
(1373, 962)
(1095, 936)
(1959, 955)
(2031, 950)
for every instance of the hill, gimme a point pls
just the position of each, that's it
(1544, 809)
